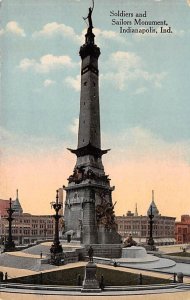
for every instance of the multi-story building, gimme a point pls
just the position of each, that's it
(26, 228)
(138, 226)
(182, 230)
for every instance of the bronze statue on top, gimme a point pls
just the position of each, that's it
(89, 17)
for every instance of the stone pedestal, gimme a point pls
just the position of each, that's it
(134, 252)
(105, 250)
(89, 232)
(90, 283)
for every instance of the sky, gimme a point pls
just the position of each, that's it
(144, 100)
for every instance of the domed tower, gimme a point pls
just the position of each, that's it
(17, 206)
(153, 208)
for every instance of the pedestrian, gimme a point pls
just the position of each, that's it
(102, 282)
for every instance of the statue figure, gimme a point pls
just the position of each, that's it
(90, 254)
(105, 213)
(129, 242)
(78, 175)
(89, 17)
(90, 174)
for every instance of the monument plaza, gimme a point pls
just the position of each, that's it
(91, 257)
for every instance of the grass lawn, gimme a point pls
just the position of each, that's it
(70, 277)
(182, 254)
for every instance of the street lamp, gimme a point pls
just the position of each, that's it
(56, 249)
(151, 240)
(9, 244)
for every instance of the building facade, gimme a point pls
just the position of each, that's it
(138, 226)
(26, 228)
(182, 230)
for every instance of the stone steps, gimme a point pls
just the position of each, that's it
(37, 249)
(19, 262)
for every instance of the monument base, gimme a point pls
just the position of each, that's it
(106, 250)
(108, 236)
(136, 254)
(90, 283)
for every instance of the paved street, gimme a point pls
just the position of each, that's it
(162, 296)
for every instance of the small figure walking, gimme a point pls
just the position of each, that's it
(90, 254)
(140, 279)
(6, 276)
(79, 281)
(41, 255)
(102, 282)
(115, 264)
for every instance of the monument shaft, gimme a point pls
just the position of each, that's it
(89, 121)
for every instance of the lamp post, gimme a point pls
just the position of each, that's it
(151, 240)
(9, 244)
(56, 249)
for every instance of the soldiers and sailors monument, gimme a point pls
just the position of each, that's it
(89, 210)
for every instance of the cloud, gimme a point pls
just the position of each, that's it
(27, 63)
(14, 28)
(46, 63)
(106, 35)
(141, 161)
(137, 143)
(125, 67)
(54, 28)
(130, 59)
(5, 135)
(74, 126)
(48, 82)
(140, 90)
(50, 30)
(14, 144)
(73, 82)
(179, 32)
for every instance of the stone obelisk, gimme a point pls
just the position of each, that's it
(89, 211)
